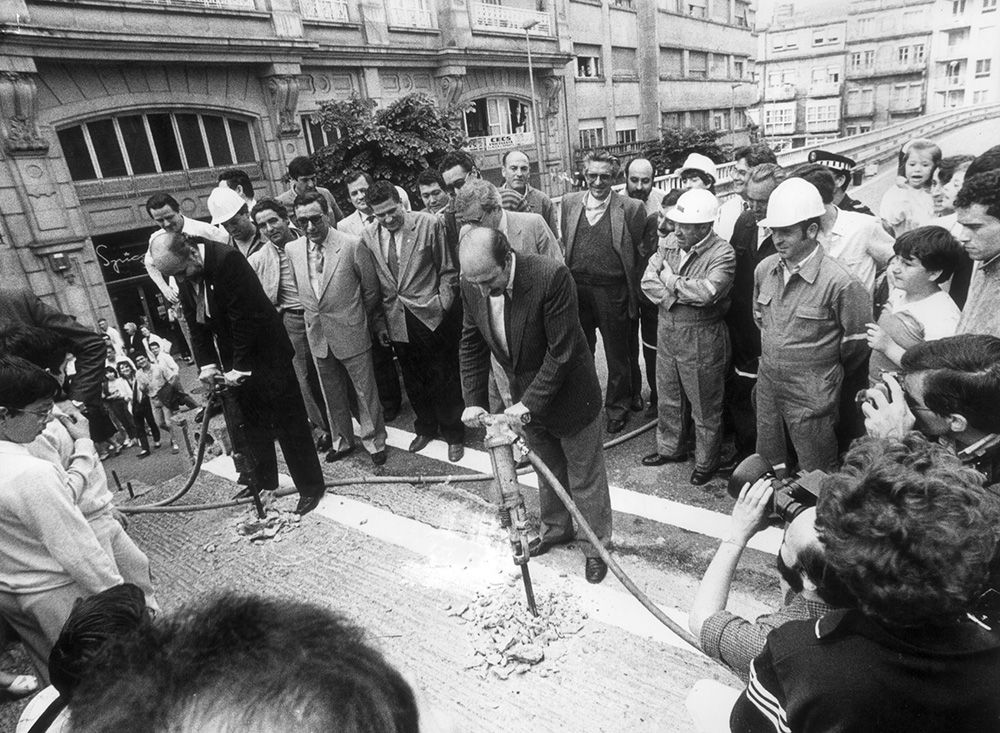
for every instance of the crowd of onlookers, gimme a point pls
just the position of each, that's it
(787, 316)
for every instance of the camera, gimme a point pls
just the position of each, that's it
(792, 495)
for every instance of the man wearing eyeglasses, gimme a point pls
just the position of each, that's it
(456, 168)
(601, 232)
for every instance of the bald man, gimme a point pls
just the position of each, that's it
(523, 309)
(639, 185)
(235, 329)
(516, 175)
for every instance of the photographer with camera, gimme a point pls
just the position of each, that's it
(949, 390)
(910, 532)
(810, 589)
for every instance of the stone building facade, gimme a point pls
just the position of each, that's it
(103, 102)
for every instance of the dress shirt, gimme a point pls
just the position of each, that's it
(982, 308)
(595, 209)
(860, 244)
(316, 262)
(788, 270)
(497, 305)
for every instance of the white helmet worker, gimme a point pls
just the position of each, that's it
(698, 162)
(223, 204)
(794, 200)
(695, 206)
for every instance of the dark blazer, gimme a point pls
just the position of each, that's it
(743, 331)
(243, 330)
(628, 221)
(550, 366)
(18, 305)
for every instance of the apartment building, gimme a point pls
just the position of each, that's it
(801, 68)
(103, 102)
(640, 65)
(965, 54)
(888, 48)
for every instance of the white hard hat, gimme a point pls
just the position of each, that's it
(702, 163)
(697, 206)
(794, 200)
(223, 204)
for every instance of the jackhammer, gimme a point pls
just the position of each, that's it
(243, 457)
(500, 439)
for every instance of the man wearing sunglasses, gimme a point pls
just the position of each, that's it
(601, 231)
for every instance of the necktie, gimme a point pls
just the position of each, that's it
(506, 321)
(392, 258)
(317, 269)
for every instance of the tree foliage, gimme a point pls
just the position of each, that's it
(676, 143)
(396, 142)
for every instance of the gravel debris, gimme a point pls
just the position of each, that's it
(273, 527)
(506, 639)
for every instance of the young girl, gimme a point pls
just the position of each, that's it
(918, 309)
(117, 396)
(909, 204)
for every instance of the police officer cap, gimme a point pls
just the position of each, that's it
(831, 160)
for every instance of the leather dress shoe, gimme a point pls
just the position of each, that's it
(728, 465)
(616, 425)
(419, 443)
(335, 455)
(378, 457)
(699, 477)
(390, 413)
(307, 504)
(595, 570)
(539, 546)
(658, 459)
(455, 452)
(324, 442)
(637, 404)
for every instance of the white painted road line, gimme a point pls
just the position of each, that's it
(456, 561)
(665, 511)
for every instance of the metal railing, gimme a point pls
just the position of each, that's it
(331, 10)
(411, 17)
(502, 19)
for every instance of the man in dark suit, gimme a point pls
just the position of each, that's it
(18, 305)
(236, 330)
(751, 245)
(602, 231)
(523, 309)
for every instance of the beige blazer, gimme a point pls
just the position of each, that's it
(528, 234)
(349, 307)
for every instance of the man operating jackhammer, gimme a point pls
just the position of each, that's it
(523, 309)
(237, 333)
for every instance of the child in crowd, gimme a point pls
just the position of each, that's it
(50, 555)
(909, 204)
(918, 309)
(117, 395)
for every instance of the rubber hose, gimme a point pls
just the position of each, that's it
(632, 588)
(198, 458)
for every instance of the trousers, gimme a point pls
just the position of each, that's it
(604, 309)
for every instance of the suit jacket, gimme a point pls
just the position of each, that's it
(550, 366)
(21, 306)
(743, 331)
(242, 329)
(428, 274)
(528, 234)
(349, 307)
(628, 221)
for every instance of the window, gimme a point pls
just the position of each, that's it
(957, 37)
(918, 53)
(696, 8)
(856, 60)
(850, 130)
(591, 134)
(670, 119)
(822, 115)
(989, 6)
(718, 66)
(906, 96)
(718, 10)
(622, 4)
(490, 116)
(626, 135)
(983, 67)
(780, 118)
(869, 58)
(866, 24)
(588, 61)
(741, 16)
(739, 68)
(981, 97)
(155, 142)
(316, 135)
(957, 7)
(623, 61)
(903, 54)
(672, 62)
(784, 42)
(697, 65)
(720, 119)
(818, 38)
(699, 119)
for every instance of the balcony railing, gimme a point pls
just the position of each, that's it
(824, 89)
(501, 19)
(779, 93)
(225, 4)
(489, 143)
(906, 104)
(886, 69)
(411, 18)
(860, 109)
(331, 10)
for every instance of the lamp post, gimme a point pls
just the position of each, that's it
(536, 132)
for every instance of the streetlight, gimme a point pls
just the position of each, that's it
(536, 133)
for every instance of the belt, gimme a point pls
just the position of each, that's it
(295, 311)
